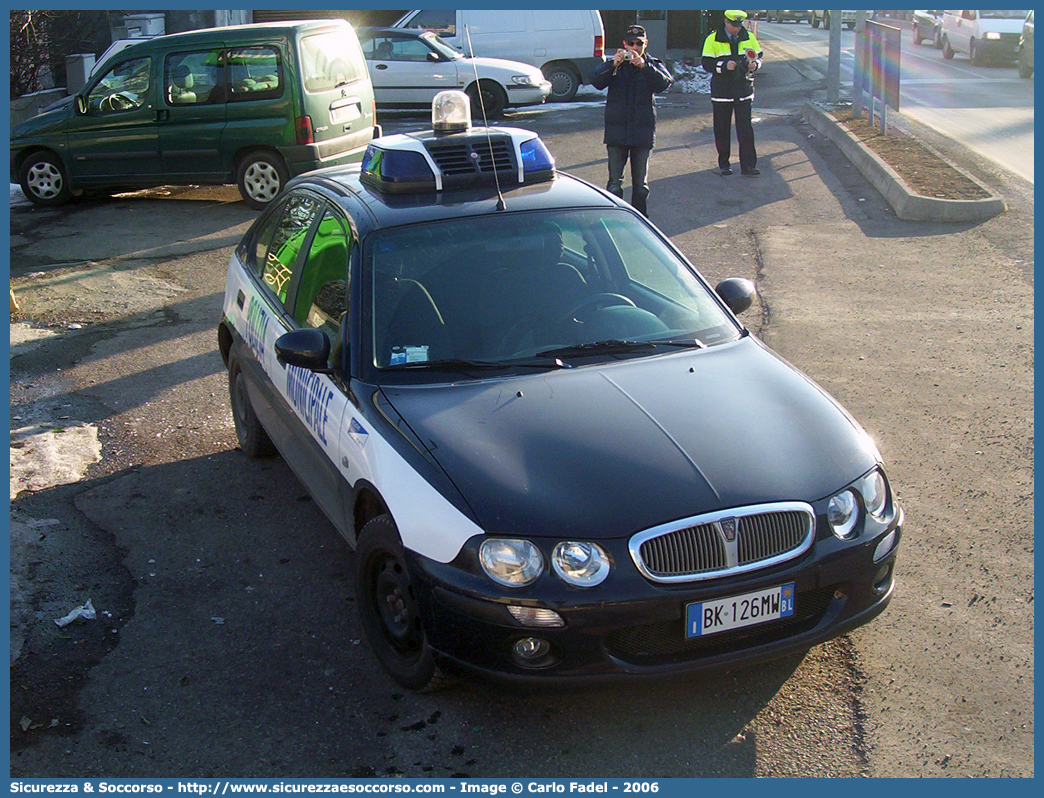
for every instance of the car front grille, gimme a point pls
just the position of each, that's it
(659, 643)
(724, 543)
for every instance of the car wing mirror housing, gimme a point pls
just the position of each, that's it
(307, 348)
(736, 292)
(81, 105)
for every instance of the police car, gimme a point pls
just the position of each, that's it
(555, 449)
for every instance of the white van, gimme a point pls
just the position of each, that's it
(983, 35)
(566, 45)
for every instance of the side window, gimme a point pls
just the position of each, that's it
(262, 239)
(254, 73)
(440, 21)
(192, 78)
(125, 87)
(322, 294)
(277, 269)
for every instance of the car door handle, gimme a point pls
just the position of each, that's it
(382, 66)
(162, 115)
(240, 298)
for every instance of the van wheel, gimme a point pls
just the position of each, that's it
(389, 610)
(253, 439)
(564, 82)
(815, 20)
(975, 54)
(493, 98)
(947, 50)
(261, 177)
(43, 179)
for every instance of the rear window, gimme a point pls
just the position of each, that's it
(329, 60)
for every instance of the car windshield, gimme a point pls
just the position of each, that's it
(439, 45)
(559, 288)
(996, 14)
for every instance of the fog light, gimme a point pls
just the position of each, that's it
(534, 616)
(881, 578)
(884, 548)
(529, 649)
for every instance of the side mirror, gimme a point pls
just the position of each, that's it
(81, 105)
(737, 293)
(434, 56)
(307, 348)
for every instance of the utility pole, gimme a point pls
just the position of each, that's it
(834, 59)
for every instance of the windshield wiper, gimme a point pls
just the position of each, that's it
(613, 346)
(464, 366)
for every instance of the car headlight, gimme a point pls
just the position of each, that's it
(843, 514)
(514, 563)
(874, 490)
(580, 564)
(991, 35)
(523, 80)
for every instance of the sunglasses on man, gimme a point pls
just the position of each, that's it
(634, 42)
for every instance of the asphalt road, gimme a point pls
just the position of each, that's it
(988, 109)
(227, 643)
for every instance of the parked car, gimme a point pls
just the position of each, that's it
(927, 26)
(409, 67)
(249, 104)
(783, 16)
(991, 35)
(555, 450)
(847, 17)
(565, 44)
(1026, 48)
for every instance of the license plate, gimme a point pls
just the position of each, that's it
(345, 113)
(735, 612)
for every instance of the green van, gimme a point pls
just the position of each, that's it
(250, 104)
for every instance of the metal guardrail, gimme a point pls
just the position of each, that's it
(876, 72)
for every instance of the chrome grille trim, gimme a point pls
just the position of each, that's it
(697, 548)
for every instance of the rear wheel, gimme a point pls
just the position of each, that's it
(253, 439)
(261, 177)
(947, 50)
(389, 610)
(917, 35)
(43, 179)
(1025, 67)
(815, 21)
(564, 82)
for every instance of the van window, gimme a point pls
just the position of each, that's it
(255, 73)
(123, 88)
(329, 60)
(193, 78)
(440, 21)
(497, 22)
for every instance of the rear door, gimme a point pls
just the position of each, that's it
(260, 104)
(192, 113)
(335, 87)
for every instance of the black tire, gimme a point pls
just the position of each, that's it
(44, 180)
(948, 52)
(975, 54)
(917, 35)
(493, 98)
(564, 82)
(850, 25)
(389, 610)
(253, 439)
(1025, 70)
(261, 177)
(937, 39)
(815, 21)
(826, 22)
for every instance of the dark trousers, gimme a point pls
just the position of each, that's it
(744, 132)
(639, 158)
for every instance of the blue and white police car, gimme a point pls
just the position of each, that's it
(555, 450)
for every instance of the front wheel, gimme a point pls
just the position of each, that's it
(261, 177)
(43, 180)
(975, 54)
(917, 35)
(815, 22)
(1025, 69)
(948, 51)
(494, 100)
(253, 439)
(389, 610)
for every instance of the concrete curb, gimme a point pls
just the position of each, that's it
(906, 203)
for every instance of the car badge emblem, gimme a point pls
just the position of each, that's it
(728, 528)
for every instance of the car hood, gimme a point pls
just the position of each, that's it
(49, 121)
(605, 451)
(499, 68)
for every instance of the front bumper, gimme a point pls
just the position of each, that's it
(629, 626)
(528, 95)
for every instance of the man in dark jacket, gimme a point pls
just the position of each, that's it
(633, 77)
(732, 55)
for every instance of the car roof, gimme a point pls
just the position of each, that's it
(343, 186)
(415, 33)
(239, 33)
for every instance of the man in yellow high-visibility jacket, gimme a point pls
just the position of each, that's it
(732, 55)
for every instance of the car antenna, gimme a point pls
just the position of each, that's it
(501, 205)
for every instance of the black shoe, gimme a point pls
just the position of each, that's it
(726, 170)
(752, 172)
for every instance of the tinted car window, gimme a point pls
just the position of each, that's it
(192, 78)
(287, 240)
(441, 21)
